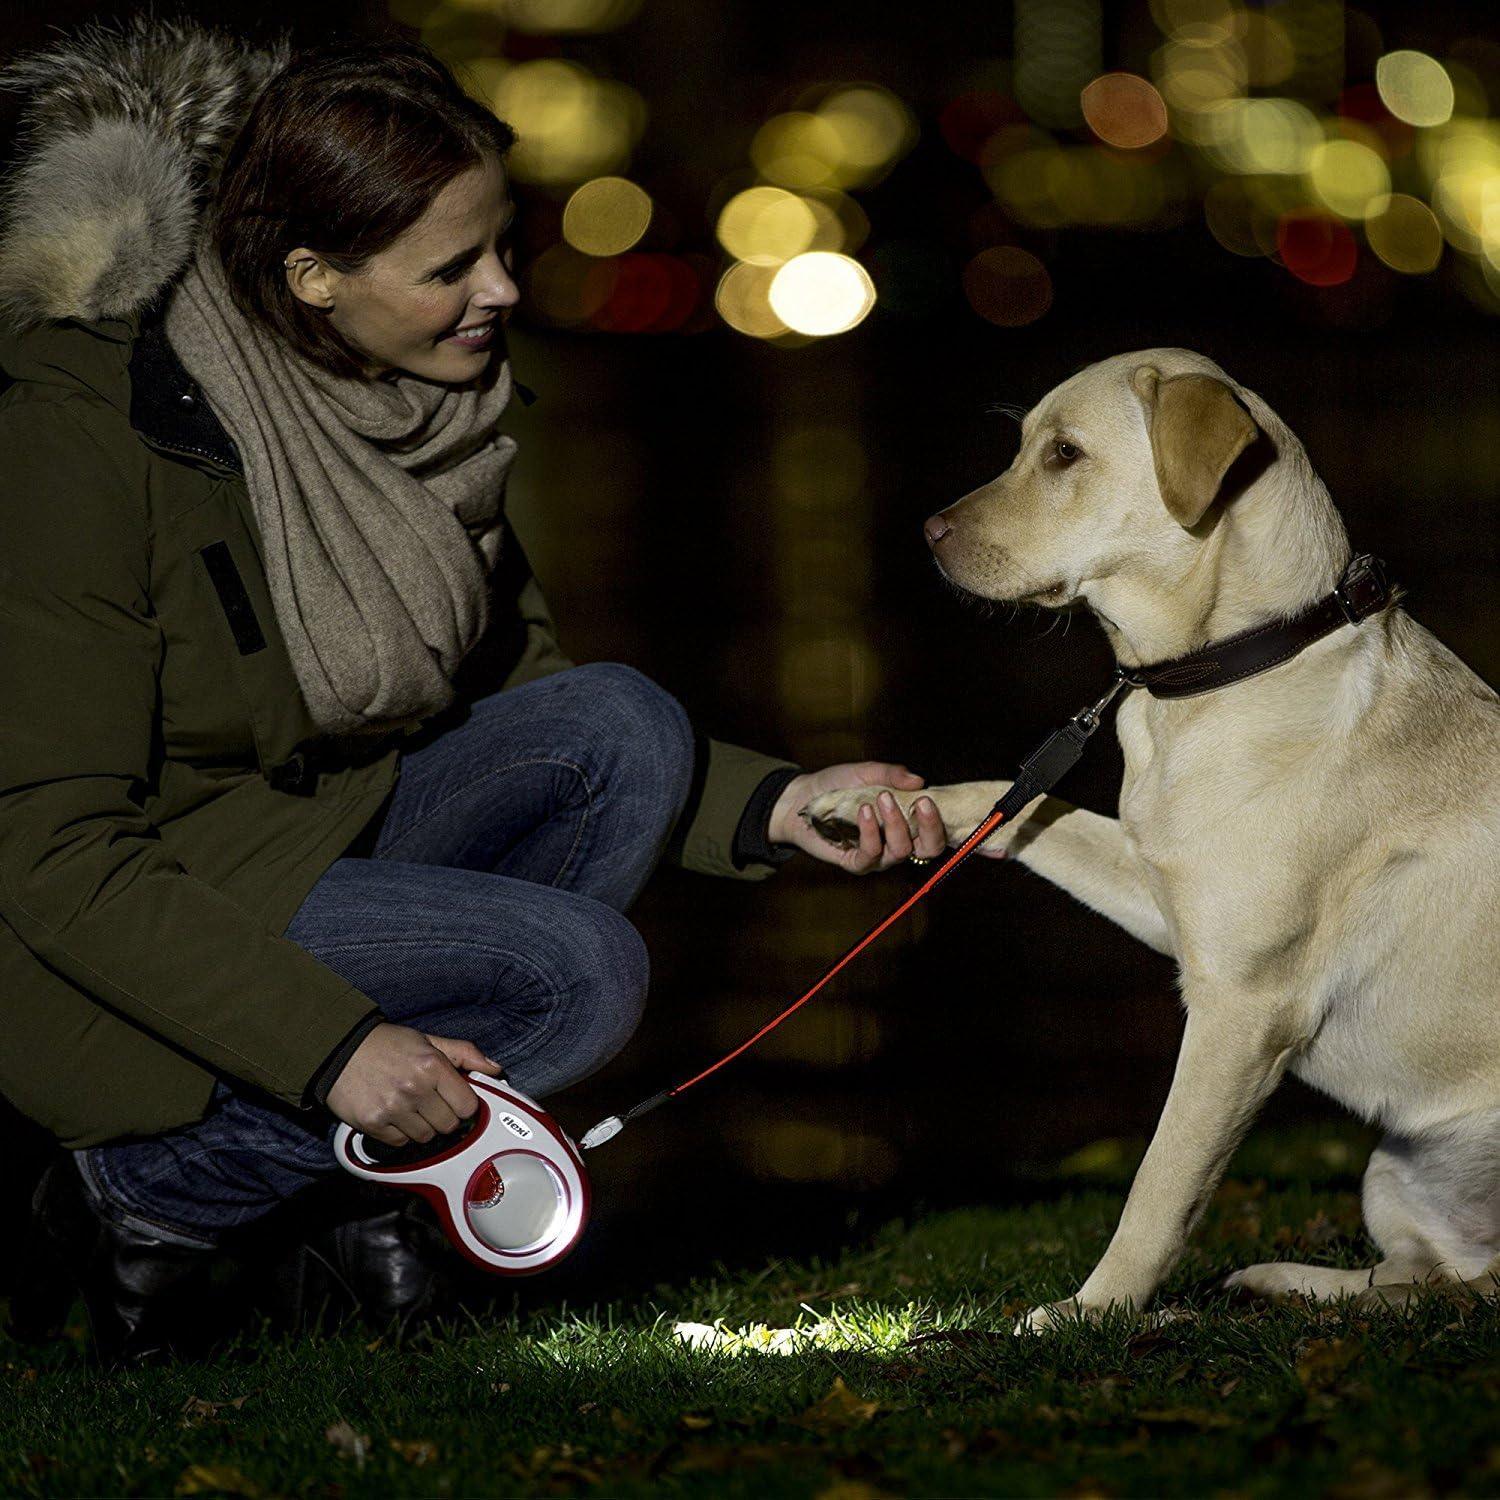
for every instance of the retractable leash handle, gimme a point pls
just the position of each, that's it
(508, 1186)
(1039, 773)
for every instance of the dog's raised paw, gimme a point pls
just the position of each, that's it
(835, 815)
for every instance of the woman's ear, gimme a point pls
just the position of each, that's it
(1198, 428)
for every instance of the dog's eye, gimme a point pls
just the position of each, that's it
(1064, 452)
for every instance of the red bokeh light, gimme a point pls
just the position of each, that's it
(1316, 248)
(651, 293)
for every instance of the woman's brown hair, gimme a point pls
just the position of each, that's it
(344, 149)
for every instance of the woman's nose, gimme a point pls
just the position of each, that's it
(935, 528)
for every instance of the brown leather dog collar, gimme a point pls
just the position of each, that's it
(1362, 590)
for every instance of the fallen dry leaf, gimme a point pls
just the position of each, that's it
(197, 1410)
(204, 1479)
(416, 1451)
(840, 1408)
(1322, 1361)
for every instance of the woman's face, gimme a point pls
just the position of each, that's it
(449, 270)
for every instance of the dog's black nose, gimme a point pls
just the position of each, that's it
(935, 528)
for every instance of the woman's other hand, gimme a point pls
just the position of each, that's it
(402, 1085)
(884, 839)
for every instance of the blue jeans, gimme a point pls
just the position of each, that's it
(490, 909)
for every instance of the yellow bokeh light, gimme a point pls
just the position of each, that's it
(1415, 87)
(1270, 57)
(1262, 135)
(1349, 177)
(1232, 216)
(1195, 17)
(873, 127)
(1462, 162)
(1406, 235)
(822, 293)
(606, 216)
(1194, 77)
(565, 15)
(798, 149)
(571, 125)
(767, 225)
(743, 300)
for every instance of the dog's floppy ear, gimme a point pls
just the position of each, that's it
(1198, 428)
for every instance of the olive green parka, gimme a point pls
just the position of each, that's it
(166, 802)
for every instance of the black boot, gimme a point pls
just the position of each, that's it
(141, 1293)
(360, 1250)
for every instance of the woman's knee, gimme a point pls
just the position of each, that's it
(620, 975)
(599, 976)
(650, 727)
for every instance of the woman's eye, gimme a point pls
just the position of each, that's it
(459, 272)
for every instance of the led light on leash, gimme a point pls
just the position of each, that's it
(510, 1187)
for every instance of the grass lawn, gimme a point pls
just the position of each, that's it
(907, 1382)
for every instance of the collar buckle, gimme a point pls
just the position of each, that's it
(1363, 589)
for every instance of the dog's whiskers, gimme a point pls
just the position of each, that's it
(1010, 409)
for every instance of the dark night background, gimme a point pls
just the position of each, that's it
(740, 519)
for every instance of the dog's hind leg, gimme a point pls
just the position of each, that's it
(1432, 1205)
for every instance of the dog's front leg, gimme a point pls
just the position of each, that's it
(1083, 852)
(1234, 1051)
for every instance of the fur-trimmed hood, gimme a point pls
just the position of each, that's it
(121, 138)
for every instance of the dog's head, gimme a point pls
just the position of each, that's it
(1122, 472)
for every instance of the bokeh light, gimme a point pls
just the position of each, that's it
(797, 149)
(853, 138)
(743, 300)
(767, 225)
(1415, 87)
(565, 15)
(1316, 248)
(571, 125)
(822, 293)
(1348, 177)
(563, 285)
(874, 130)
(1234, 218)
(1059, 48)
(1260, 135)
(1008, 286)
(648, 293)
(606, 216)
(1405, 234)
(1125, 110)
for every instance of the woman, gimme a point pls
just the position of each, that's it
(303, 812)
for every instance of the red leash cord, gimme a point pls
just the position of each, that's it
(1039, 773)
(974, 840)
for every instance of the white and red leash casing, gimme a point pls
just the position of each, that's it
(511, 1191)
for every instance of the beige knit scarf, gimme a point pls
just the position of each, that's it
(379, 504)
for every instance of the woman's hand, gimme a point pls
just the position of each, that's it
(403, 1085)
(883, 841)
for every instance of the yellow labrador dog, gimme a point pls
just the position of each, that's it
(1317, 845)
